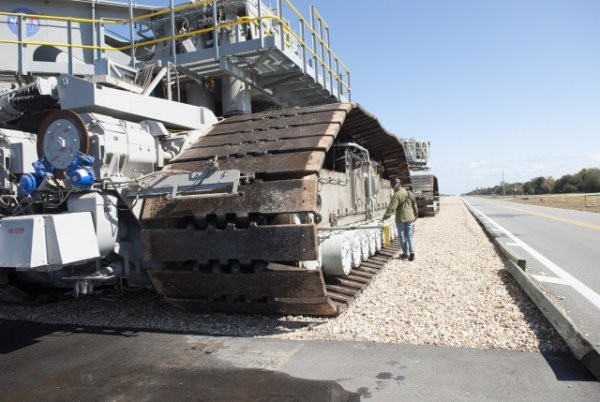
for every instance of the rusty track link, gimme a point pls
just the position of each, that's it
(338, 295)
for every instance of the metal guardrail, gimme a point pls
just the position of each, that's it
(318, 52)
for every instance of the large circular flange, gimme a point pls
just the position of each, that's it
(60, 137)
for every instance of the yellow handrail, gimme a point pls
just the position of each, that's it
(60, 18)
(256, 21)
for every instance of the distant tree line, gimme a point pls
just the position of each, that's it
(585, 181)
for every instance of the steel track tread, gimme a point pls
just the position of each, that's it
(336, 289)
(280, 153)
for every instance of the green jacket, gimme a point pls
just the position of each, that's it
(404, 205)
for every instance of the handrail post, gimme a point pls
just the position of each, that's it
(303, 45)
(349, 93)
(314, 43)
(338, 79)
(329, 60)
(323, 66)
(282, 27)
(70, 45)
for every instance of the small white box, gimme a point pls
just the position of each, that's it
(47, 242)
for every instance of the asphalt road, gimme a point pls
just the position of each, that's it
(43, 362)
(562, 249)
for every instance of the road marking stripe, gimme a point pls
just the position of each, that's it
(568, 279)
(556, 218)
(549, 279)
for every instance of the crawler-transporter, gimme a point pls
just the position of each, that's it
(209, 150)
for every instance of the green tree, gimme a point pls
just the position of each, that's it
(566, 184)
(589, 180)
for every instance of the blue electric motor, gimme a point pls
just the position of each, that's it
(81, 171)
(30, 181)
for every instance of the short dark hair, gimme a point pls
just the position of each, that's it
(396, 182)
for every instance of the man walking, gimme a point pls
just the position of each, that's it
(404, 205)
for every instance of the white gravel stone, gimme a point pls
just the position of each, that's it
(456, 293)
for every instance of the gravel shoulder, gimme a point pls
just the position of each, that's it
(456, 293)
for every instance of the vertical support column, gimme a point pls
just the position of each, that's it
(95, 42)
(260, 29)
(174, 48)
(235, 93)
(282, 27)
(215, 33)
(169, 82)
(100, 51)
(131, 41)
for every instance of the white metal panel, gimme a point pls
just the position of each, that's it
(22, 242)
(83, 96)
(104, 216)
(70, 238)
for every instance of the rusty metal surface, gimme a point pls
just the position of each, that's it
(278, 289)
(282, 289)
(320, 142)
(273, 283)
(273, 197)
(295, 164)
(263, 243)
(345, 107)
(249, 123)
(427, 194)
(253, 136)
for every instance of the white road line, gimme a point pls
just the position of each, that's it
(567, 278)
(549, 279)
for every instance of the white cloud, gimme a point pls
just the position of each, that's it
(594, 157)
(476, 164)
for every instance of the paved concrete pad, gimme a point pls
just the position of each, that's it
(57, 363)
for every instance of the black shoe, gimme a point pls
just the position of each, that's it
(411, 257)
(403, 256)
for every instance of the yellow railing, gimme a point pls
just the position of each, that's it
(317, 39)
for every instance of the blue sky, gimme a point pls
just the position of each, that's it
(494, 85)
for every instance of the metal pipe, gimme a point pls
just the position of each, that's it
(200, 196)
